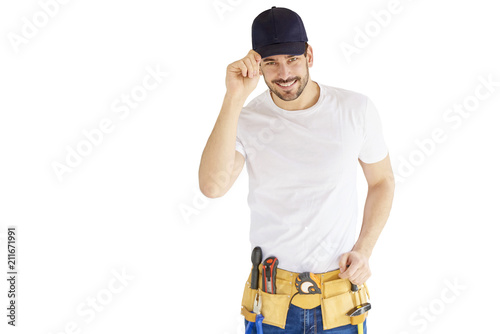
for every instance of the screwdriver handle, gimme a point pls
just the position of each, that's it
(256, 260)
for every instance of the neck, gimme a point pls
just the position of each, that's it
(307, 99)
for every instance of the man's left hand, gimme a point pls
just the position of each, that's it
(354, 266)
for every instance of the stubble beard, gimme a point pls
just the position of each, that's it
(290, 97)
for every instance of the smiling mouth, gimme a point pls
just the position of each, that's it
(287, 85)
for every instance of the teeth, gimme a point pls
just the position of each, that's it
(289, 84)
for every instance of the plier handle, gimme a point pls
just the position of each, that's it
(257, 305)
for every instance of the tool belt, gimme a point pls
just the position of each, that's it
(336, 299)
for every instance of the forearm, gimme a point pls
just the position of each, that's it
(219, 151)
(376, 212)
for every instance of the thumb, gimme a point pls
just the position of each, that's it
(258, 58)
(343, 262)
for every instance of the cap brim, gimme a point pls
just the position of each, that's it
(290, 48)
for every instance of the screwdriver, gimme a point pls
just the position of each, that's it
(256, 260)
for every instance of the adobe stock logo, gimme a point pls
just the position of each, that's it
(421, 319)
(40, 19)
(363, 37)
(221, 7)
(122, 106)
(88, 310)
(453, 117)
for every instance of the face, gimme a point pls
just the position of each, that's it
(286, 75)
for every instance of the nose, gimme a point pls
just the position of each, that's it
(283, 71)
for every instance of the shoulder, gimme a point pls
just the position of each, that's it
(350, 105)
(345, 97)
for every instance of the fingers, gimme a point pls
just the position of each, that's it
(354, 269)
(257, 59)
(343, 262)
(360, 276)
(247, 66)
(251, 62)
(350, 272)
(356, 275)
(255, 55)
(251, 67)
(240, 65)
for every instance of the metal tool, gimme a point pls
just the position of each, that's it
(358, 310)
(308, 284)
(256, 260)
(257, 305)
(269, 268)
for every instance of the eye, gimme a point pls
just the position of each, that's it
(270, 63)
(293, 59)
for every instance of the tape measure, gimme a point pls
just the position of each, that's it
(308, 284)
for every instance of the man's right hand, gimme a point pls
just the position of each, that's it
(243, 75)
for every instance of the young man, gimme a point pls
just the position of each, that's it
(301, 141)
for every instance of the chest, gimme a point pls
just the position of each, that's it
(302, 152)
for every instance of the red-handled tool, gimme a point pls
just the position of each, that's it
(269, 274)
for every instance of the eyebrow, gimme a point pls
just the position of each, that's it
(272, 59)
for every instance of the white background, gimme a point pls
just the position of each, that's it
(133, 203)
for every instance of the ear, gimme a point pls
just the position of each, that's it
(310, 58)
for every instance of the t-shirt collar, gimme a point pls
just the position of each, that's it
(307, 111)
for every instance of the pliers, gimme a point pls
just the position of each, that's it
(257, 305)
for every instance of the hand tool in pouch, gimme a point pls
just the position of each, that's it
(256, 260)
(257, 305)
(254, 284)
(308, 284)
(269, 274)
(358, 310)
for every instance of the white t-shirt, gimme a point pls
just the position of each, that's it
(302, 168)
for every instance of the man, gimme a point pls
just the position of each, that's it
(301, 141)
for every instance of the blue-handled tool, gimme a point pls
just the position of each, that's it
(257, 304)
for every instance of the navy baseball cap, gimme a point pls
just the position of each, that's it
(278, 31)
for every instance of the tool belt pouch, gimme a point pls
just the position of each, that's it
(274, 306)
(338, 300)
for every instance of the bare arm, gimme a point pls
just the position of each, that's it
(220, 162)
(380, 179)
(378, 203)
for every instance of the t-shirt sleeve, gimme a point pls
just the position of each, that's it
(373, 148)
(240, 148)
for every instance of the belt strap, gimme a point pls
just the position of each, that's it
(249, 316)
(306, 301)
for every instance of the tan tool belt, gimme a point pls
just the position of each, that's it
(336, 299)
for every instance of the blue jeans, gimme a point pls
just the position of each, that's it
(306, 321)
